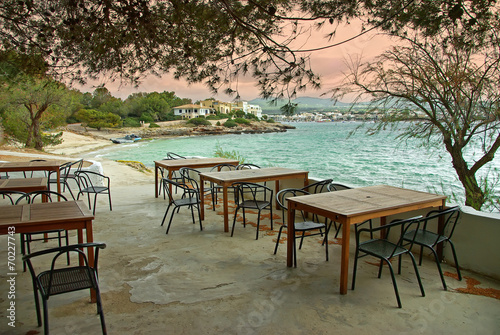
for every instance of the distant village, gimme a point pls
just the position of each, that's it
(212, 107)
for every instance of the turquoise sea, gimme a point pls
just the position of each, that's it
(324, 149)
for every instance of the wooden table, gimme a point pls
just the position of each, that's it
(172, 165)
(227, 178)
(35, 217)
(23, 184)
(34, 166)
(356, 205)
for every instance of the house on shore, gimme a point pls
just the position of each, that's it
(192, 111)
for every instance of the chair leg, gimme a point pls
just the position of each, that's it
(394, 283)
(234, 221)
(164, 216)
(354, 269)
(438, 263)
(99, 310)
(417, 274)
(45, 317)
(95, 202)
(170, 221)
(278, 239)
(37, 305)
(109, 197)
(258, 223)
(456, 260)
(199, 216)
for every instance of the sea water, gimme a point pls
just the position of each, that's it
(326, 150)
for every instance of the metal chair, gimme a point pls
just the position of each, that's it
(28, 238)
(332, 187)
(175, 176)
(77, 166)
(59, 280)
(302, 226)
(425, 237)
(93, 182)
(190, 198)
(385, 250)
(217, 188)
(246, 196)
(64, 171)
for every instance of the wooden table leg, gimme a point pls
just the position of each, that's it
(226, 209)
(344, 262)
(290, 230)
(156, 181)
(202, 204)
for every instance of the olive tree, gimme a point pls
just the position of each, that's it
(446, 86)
(30, 105)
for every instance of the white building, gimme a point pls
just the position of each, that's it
(192, 111)
(251, 109)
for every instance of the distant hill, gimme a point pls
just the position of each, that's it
(304, 104)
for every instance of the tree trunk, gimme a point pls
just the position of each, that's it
(36, 134)
(474, 195)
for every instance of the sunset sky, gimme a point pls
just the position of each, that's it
(329, 63)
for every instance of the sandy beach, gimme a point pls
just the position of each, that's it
(206, 282)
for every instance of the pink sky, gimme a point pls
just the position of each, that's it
(329, 63)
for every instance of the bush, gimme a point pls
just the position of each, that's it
(153, 125)
(131, 122)
(218, 123)
(270, 120)
(241, 121)
(230, 124)
(199, 121)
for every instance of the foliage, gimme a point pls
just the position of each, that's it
(230, 124)
(240, 120)
(270, 120)
(131, 122)
(289, 109)
(153, 125)
(239, 113)
(30, 105)
(251, 116)
(124, 39)
(96, 119)
(447, 86)
(199, 121)
(220, 152)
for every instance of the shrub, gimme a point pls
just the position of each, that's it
(199, 121)
(230, 124)
(241, 120)
(270, 120)
(131, 122)
(153, 125)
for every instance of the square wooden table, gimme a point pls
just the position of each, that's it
(35, 217)
(227, 178)
(51, 165)
(23, 184)
(172, 165)
(356, 205)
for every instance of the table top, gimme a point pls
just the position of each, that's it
(371, 201)
(195, 162)
(28, 166)
(20, 183)
(48, 212)
(264, 174)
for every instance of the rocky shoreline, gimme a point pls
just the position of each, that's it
(180, 128)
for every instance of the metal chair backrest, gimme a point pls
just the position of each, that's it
(318, 187)
(247, 166)
(10, 195)
(48, 196)
(451, 216)
(286, 193)
(173, 155)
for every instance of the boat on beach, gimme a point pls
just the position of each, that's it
(126, 139)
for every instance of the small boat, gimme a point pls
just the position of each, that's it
(126, 139)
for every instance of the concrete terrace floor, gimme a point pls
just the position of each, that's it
(206, 282)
